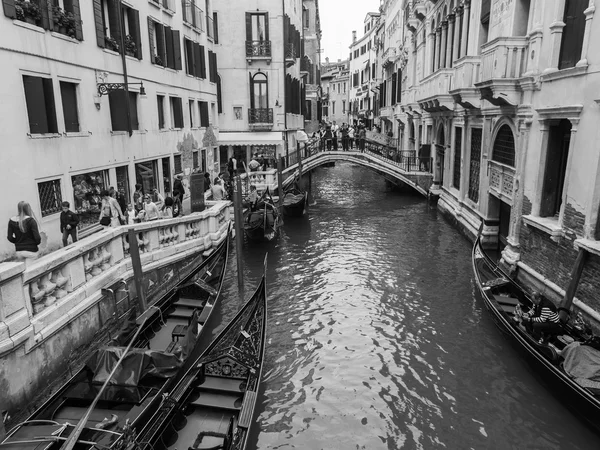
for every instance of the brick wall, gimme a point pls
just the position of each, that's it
(526, 210)
(573, 220)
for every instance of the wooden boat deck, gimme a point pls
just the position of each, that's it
(222, 384)
(205, 420)
(226, 400)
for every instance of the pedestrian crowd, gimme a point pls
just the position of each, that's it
(347, 136)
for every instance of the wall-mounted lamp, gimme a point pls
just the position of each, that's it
(106, 88)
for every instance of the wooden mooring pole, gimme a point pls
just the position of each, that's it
(280, 180)
(136, 264)
(238, 217)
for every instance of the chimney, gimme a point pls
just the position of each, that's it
(353, 36)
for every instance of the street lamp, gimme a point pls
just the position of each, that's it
(107, 88)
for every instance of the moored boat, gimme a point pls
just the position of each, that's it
(294, 201)
(567, 361)
(261, 221)
(120, 386)
(213, 405)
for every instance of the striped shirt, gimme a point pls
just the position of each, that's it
(547, 315)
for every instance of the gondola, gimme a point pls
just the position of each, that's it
(261, 221)
(295, 201)
(120, 386)
(559, 359)
(213, 405)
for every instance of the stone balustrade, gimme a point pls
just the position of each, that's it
(466, 72)
(502, 179)
(38, 300)
(504, 57)
(261, 179)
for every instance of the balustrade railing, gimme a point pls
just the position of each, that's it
(258, 48)
(260, 116)
(502, 179)
(504, 57)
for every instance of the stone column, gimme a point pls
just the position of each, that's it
(589, 14)
(450, 45)
(511, 253)
(556, 30)
(457, 30)
(465, 30)
(444, 44)
(430, 61)
(438, 46)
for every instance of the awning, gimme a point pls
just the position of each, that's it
(250, 138)
(301, 136)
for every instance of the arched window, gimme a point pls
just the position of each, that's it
(504, 147)
(259, 92)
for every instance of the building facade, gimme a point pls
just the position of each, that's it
(363, 72)
(335, 84)
(99, 94)
(263, 90)
(310, 66)
(505, 93)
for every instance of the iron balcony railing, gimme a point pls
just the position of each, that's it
(192, 15)
(258, 48)
(260, 115)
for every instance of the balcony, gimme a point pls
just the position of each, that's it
(501, 181)
(258, 50)
(466, 73)
(290, 55)
(389, 57)
(192, 15)
(260, 118)
(419, 9)
(433, 93)
(503, 62)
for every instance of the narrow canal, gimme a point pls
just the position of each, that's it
(376, 339)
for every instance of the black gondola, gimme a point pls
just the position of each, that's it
(213, 405)
(101, 408)
(294, 201)
(261, 221)
(557, 358)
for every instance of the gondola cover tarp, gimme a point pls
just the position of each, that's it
(136, 364)
(582, 362)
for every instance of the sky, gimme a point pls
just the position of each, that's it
(338, 19)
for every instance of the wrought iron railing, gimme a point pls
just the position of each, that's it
(260, 115)
(192, 15)
(258, 48)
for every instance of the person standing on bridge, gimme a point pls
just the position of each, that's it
(328, 137)
(334, 131)
(362, 134)
(351, 137)
(344, 132)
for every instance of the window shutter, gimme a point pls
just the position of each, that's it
(399, 89)
(9, 8)
(50, 107)
(46, 9)
(113, 20)
(203, 114)
(202, 62)
(134, 30)
(573, 32)
(160, 43)
(214, 67)
(76, 10)
(266, 26)
(169, 47)
(197, 69)
(151, 39)
(34, 99)
(216, 27)
(118, 112)
(68, 93)
(393, 96)
(133, 113)
(176, 49)
(99, 23)
(248, 26)
(219, 96)
(183, 10)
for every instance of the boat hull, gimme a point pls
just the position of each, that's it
(295, 208)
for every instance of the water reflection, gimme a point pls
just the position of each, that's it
(376, 339)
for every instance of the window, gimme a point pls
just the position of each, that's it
(176, 112)
(177, 164)
(39, 97)
(457, 156)
(190, 63)
(333, 108)
(504, 147)
(118, 110)
(216, 27)
(68, 92)
(259, 95)
(399, 86)
(257, 27)
(212, 67)
(192, 109)
(475, 162)
(86, 187)
(108, 30)
(165, 45)
(50, 197)
(160, 103)
(559, 140)
(308, 110)
(46, 11)
(219, 96)
(343, 106)
(203, 107)
(195, 161)
(212, 114)
(571, 43)
(306, 17)
(344, 87)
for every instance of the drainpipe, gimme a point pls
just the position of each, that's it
(285, 137)
(124, 63)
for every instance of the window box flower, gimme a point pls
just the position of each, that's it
(31, 12)
(130, 46)
(111, 43)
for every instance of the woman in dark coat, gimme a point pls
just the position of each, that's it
(23, 231)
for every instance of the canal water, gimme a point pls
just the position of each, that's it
(376, 338)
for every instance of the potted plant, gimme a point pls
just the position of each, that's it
(111, 43)
(69, 24)
(31, 11)
(20, 13)
(130, 46)
(158, 60)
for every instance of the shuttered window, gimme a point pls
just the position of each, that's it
(572, 35)
(177, 164)
(176, 112)
(68, 93)
(212, 66)
(191, 109)
(39, 97)
(216, 27)
(457, 156)
(160, 103)
(190, 65)
(219, 96)
(393, 96)
(399, 86)
(204, 120)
